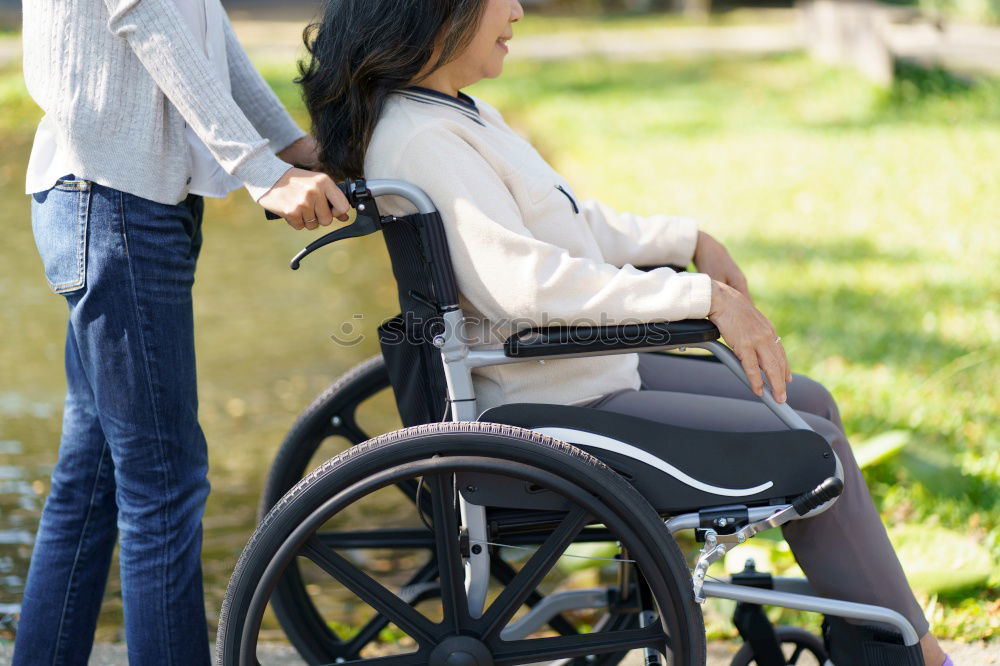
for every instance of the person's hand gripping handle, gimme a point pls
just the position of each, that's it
(306, 199)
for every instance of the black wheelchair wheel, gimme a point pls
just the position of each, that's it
(799, 646)
(439, 629)
(336, 416)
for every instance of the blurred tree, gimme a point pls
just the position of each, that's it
(849, 32)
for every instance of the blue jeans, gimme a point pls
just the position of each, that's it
(132, 461)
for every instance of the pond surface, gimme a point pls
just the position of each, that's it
(264, 351)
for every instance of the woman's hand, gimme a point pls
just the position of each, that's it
(752, 338)
(712, 258)
(303, 152)
(306, 199)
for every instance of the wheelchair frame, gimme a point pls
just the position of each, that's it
(459, 360)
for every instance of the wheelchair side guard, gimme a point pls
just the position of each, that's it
(676, 469)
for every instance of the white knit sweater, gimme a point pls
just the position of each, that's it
(119, 79)
(526, 251)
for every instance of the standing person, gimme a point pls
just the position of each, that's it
(149, 106)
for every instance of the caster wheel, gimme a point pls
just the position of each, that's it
(800, 648)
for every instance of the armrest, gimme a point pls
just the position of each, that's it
(674, 268)
(558, 340)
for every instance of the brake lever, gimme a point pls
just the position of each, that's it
(367, 220)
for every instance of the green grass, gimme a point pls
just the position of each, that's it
(865, 220)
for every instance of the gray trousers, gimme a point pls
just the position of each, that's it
(844, 552)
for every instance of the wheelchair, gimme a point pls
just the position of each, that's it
(445, 542)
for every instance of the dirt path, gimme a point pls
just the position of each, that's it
(719, 654)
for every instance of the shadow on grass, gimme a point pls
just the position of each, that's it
(929, 96)
(946, 480)
(867, 327)
(913, 83)
(863, 323)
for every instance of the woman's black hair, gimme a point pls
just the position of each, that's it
(363, 50)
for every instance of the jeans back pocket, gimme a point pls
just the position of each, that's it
(59, 222)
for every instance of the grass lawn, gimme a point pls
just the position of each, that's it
(866, 221)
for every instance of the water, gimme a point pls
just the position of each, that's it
(264, 351)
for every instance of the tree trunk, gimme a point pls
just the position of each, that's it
(851, 32)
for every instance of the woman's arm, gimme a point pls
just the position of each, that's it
(161, 40)
(655, 240)
(251, 92)
(505, 272)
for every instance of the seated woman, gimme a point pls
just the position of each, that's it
(383, 86)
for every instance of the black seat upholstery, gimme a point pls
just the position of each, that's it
(676, 469)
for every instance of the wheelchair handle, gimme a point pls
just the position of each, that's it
(822, 494)
(353, 189)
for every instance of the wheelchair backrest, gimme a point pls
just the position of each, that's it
(407, 340)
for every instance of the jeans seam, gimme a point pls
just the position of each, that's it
(76, 557)
(147, 366)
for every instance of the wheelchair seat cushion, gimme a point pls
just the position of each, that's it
(677, 469)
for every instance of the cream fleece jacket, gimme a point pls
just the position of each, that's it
(526, 250)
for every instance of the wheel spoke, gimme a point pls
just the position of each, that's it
(531, 574)
(389, 538)
(374, 594)
(565, 647)
(350, 429)
(505, 573)
(794, 659)
(451, 572)
(370, 631)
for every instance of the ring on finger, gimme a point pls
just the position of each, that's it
(777, 340)
(310, 220)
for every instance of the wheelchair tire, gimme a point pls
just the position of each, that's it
(801, 642)
(438, 451)
(334, 414)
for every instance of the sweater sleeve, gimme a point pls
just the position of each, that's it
(507, 273)
(157, 34)
(626, 238)
(251, 92)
